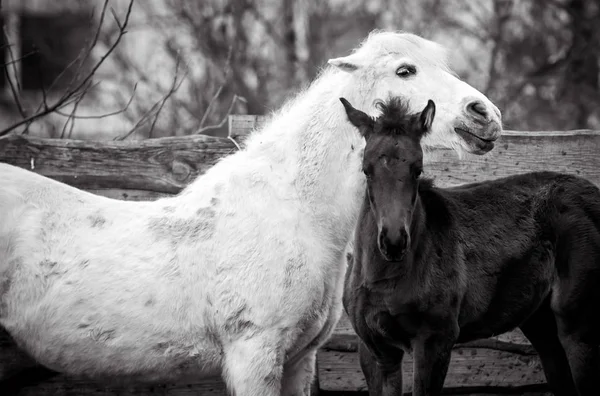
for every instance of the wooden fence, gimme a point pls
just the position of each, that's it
(159, 167)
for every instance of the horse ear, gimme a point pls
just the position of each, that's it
(359, 119)
(427, 116)
(348, 63)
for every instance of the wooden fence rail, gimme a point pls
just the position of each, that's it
(148, 169)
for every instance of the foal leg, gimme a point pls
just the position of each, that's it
(540, 329)
(431, 360)
(254, 366)
(383, 378)
(299, 376)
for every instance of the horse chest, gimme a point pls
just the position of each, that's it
(375, 323)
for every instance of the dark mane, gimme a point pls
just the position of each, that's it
(439, 215)
(395, 119)
(426, 184)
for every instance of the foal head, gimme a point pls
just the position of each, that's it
(392, 163)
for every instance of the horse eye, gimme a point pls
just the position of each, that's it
(406, 71)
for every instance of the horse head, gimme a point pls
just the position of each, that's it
(389, 64)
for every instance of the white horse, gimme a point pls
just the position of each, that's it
(241, 273)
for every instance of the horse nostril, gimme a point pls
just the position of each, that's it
(382, 238)
(404, 239)
(477, 109)
(383, 232)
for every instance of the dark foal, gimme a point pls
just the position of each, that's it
(433, 267)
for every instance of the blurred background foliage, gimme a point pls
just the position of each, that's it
(538, 60)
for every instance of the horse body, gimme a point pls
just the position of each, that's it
(183, 298)
(93, 323)
(481, 259)
(242, 272)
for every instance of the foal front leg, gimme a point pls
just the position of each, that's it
(383, 374)
(431, 358)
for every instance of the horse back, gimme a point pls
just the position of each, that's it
(515, 233)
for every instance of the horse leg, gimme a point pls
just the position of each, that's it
(299, 376)
(584, 359)
(17, 369)
(254, 366)
(574, 301)
(431, 360)
(27, 378)
(383, 378)
(540, 329)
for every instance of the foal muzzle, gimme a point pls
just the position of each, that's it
(393, 246)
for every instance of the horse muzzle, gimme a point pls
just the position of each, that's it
(480, 126)
(393, 247)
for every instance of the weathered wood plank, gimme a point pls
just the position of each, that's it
(471, 370)
(168, 164)
(344, 339)
(64, 386)
(516, 152)
(129, 195)
(574, 152)
(163, 165)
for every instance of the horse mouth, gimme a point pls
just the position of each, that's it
(477, 144)
(391, 258)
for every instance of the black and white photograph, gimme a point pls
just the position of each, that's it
(299, 197)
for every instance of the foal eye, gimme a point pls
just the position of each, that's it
(406, 71)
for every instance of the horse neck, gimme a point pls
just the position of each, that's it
(314, 144)
(306, 149)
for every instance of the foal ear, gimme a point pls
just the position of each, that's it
(427, 116)
(348, 63)
(359, 119)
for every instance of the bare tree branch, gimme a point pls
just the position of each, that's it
(174, 87)
(104, 115)
(219, 90)
(12, 59)
(156, 109)
(224, 120)
(76, 90)
(71, 119)
(14, 90)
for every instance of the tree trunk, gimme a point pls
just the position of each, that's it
(581, 74)
(289, 41)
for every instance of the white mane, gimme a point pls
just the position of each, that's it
(292, 129)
